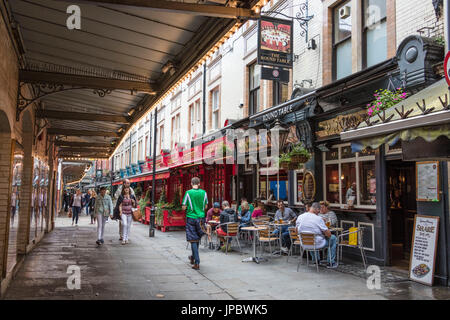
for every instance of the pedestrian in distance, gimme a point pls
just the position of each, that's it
(126, 213)
(87, 199)
(195, 202)
(77, 204)
(103, 208)
(91, 206)
(118, 196)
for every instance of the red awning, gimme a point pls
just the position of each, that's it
(149, 177)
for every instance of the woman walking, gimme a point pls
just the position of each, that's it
(126, 213)
(77, 204)
(91, 206)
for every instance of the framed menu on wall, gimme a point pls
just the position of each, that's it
(427, 181)
(423, 249)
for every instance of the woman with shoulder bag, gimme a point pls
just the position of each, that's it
(126, 214)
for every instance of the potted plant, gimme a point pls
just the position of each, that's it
(299, 154)
(284, 161)
(384, 99)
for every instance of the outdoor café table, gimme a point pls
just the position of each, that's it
(279, 226)
(254, 258)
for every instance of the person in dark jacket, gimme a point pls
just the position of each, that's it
(91, 206)
(226, 216)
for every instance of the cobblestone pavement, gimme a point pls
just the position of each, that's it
(157, 268)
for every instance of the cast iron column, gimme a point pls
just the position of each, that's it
(152, 211)
(204, 99)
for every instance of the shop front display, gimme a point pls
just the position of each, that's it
(17, 168)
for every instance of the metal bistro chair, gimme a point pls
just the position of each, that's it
(265, 236)
(232, 232)
(295, 240)
(345, 243)
(308, 244)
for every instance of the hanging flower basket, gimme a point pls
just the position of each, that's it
(298, 158)
(299, 154)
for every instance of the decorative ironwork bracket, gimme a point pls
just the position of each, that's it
(302, 17)
(42, 89)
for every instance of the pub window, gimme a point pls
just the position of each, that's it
(280, 92)
(273, 184)
(374, 32)
(215, 108)
(133, 154)
(343, 168)
(254, 86)
(342, 40)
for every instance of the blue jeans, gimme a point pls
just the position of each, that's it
(285, 238)
(75, 212)
(331, 245)
(194, 247)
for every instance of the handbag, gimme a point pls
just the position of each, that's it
(70, 213)
(136, 214)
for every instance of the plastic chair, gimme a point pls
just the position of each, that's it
(232, 232)
(345, 243)
(295, 240)
(308, 244)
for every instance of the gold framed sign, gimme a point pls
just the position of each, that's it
(427, 181)
(309, 186)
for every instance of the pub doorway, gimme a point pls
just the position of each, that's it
(401, 209)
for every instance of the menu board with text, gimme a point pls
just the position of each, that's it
(423, 249)
(427, 181)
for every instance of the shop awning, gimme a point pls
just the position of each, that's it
(425, 114)
(149, 177)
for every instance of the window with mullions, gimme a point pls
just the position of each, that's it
(280, 92)
(374, 32)
(349, 177)
(254, 86)
(342, 40)
(273, 186)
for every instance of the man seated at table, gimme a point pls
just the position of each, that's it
(212, 214)
(226, 216)
(327, 214)
(310, 222)
(245, 218)
(288, 216)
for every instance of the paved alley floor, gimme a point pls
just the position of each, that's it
(157, 268)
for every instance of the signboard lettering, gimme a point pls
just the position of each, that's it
(423, 249)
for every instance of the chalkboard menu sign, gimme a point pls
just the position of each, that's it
(423, 249)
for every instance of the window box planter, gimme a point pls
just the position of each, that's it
(172, 219)
(141, 166)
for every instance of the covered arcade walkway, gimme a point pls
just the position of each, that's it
(72, 90)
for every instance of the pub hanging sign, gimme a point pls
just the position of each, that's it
(275, 38)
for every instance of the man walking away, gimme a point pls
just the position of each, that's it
(194, 202)
(103, 208)
(119, 197)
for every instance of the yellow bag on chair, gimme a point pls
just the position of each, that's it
(353, 237)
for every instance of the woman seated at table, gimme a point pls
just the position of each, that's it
(245, 218)
(226, 216)
(212, 214)
(326, 214)
(259, 210)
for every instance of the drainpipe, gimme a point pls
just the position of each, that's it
(204, 99)
(152, 211)
(446, 23)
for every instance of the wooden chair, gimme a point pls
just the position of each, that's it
(295, 240)
(265, 236)
(232, 232)
(308, 244)
(345, 243)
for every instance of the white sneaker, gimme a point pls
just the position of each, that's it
(124, 242)
(284, 249)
